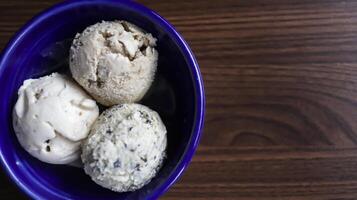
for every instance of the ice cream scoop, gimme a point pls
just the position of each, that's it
(114, 61)
(52, 116)
(126, 147)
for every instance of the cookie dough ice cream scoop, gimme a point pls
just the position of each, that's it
(52, 116)
(125, 148)
(115, 61)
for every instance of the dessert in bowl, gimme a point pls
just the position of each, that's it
(42, 46)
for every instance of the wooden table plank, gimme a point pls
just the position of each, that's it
(280, 80)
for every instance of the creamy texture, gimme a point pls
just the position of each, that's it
(114, 61)
(125, 148)
(51, 117)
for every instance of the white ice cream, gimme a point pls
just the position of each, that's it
(114, 61)
(51, 117)
(125, 148)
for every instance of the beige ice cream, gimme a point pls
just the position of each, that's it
(125, 148)
(114, 61)
(52, 116)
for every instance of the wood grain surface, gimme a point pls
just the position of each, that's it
(280, 79)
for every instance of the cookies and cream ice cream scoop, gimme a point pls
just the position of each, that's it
(115, 61)
(125, 148)
(52, 116)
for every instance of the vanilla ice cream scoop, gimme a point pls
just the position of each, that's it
(114, 61)
(51, 117)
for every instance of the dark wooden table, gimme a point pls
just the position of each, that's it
(281, 87)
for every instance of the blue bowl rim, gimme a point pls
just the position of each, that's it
(194, 68)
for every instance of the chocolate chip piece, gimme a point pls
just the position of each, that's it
(117, 163)
(125, 26)
(38, 94)
(141, 113)
(144, 159)
(48, 148)
(100, 83)
(131, 128)
(137, 167)
(91, 82)
(143, 48)
(109, 131)
(47, 141)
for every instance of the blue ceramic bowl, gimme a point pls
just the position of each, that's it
(41, 47)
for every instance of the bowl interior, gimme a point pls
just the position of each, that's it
(42, 49)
